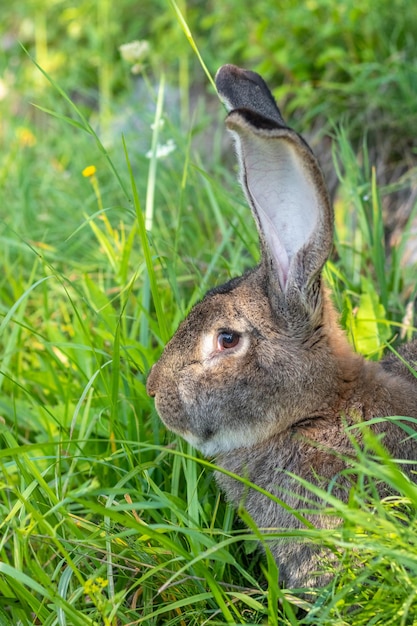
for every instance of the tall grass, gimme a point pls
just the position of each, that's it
(105, 518)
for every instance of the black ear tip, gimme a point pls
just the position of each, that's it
(244, 89)
(254, 119)
(224, 75)
(232, 73)
(227, 69)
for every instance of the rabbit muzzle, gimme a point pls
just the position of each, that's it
(167, 400)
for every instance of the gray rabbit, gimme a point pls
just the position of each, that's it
(260, 375)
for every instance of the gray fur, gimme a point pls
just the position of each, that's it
(277, 402)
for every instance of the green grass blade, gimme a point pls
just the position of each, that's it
(164, 334)
(190, 38)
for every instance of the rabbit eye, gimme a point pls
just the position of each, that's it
(227, 340)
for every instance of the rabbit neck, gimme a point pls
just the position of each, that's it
(368, 392)
(379, 393)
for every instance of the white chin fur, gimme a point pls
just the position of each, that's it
(223, 441)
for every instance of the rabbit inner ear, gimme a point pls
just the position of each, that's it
(283, 195)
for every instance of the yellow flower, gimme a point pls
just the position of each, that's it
(89, 171)
(90, 587)
(26, 137)
(93, 586)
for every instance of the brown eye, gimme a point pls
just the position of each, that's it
(227, 340)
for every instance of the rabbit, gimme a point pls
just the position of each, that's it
(259, 375)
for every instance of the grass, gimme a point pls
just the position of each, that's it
(105, 518)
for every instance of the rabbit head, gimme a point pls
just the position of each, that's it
(262, 352)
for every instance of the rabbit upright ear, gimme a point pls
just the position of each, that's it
(282, 180)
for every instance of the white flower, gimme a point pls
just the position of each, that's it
(137, 68)
(134, 51)
(162, 150)
(160, 124)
